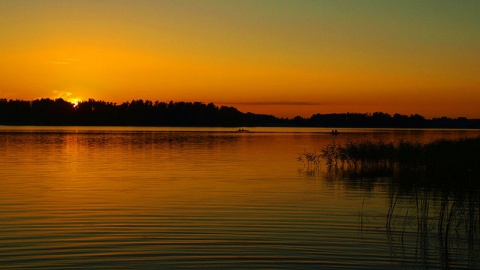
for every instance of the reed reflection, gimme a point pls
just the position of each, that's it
(427, 225)
(433, 210)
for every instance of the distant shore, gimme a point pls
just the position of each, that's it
(58, 112)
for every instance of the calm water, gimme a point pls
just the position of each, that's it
(152, 198)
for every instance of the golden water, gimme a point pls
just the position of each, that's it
(162, 198)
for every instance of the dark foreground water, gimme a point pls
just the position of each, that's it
(159, 198)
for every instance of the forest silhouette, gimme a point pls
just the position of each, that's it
(58, 112)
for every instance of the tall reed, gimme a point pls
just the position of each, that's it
(434, 187)
(450, 220)
(452, 163)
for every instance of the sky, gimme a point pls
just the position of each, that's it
(279, 57)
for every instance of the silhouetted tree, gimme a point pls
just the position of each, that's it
(147, 113)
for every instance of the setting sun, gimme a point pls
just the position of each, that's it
(225, 134)
(74, 101)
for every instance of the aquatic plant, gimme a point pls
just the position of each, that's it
(434, 193)
(450, 219)
(448, 163)
(311, 160)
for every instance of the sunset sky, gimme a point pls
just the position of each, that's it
(278, 57)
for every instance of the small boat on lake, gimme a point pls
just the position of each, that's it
(242, 130)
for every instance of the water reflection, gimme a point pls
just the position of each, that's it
(443, 226)
(432, 216)
(424, 223)
(159, 198)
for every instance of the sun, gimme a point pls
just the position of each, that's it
(74, 101)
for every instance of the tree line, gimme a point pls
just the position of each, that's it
(58, 112)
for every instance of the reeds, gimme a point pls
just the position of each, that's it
(450, 220)
(441, 162)
(434, 191)
(311, 160)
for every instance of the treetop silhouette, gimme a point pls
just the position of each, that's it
(140, 112)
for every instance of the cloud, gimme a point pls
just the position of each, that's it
(61, 94)
(60, 63)
(275, 103)
(67, 61)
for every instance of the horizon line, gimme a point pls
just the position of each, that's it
(254, 103)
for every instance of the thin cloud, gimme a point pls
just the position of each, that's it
(275, 103)
(61, 94)
(60, 63)
(67, 61)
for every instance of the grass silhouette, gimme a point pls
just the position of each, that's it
(446, 163)
(434, 198)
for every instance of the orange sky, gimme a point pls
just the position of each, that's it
(285, 58)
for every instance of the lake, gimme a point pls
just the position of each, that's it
(163, 198)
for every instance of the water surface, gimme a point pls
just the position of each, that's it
(149, 198)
